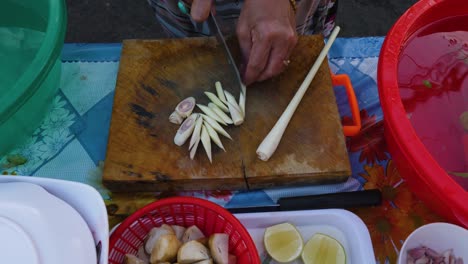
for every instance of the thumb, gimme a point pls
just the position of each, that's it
(200, 10)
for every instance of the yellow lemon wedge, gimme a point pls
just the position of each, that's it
(283, 242)
(323, 249)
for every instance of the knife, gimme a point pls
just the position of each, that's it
(322, 201)
(215, 30)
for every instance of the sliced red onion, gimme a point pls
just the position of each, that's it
(417, 253)
(425, 255)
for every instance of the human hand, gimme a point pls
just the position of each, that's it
(267, 36)
(200, 9)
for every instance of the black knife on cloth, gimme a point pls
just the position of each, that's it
(339, 200)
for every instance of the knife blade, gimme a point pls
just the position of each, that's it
(214, 28)
(340, 200)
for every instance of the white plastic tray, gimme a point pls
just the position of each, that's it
(343, 225)
(84, 199)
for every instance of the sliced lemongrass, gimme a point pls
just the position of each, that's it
(185, 130)
(220, 92)
(242, 99)
(242, 104)
(216, 126)
(271, 141)
(206, 141)
(196, 131)
(211, 114)
(175, 118)
(231, 100)
(216, 101)
(185, 107)
(193, 151)
(220, 113)
(234, 109)
(214, 136)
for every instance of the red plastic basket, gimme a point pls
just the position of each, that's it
(184, 211)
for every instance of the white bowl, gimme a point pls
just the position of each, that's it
(439, 237)
(85, 200)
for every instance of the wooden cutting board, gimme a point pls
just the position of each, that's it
(155, 75)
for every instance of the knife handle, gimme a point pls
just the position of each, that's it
(331, 200)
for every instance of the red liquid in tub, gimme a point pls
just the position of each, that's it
(433, 81)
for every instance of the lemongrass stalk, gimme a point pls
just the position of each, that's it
(205, 139)
(214, 136)
(220, 113)
(185, 130)
(193, 151)
(211, 114)
(216, 126)
(175, 118)
(216, 101)
(242, 98)
(185, 107)
(196, 131)
(220, 92)
(234, 109)
(271, 141)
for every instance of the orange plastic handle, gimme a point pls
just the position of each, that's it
(343, 80)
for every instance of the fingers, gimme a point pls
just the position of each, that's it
(258, 56)
(200, 10)
(280, 52)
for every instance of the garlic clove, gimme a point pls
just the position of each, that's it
(214, 136)
(220, 113)
(216, 126)
(220, 92)
(216, 101)
(196, 131)
(205, 139)
(175, 118)
(211, 114)
(185, 107)
(185, 130)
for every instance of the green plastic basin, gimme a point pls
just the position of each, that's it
(32, 33)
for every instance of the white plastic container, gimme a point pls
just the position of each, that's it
(84, 199)
(342, 225)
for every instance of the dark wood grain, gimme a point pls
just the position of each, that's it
(154, 75)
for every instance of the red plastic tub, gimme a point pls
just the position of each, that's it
(424, 175)
(184, 211)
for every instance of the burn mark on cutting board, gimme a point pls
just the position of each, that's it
(143, 116)
(161, 177)
(167, 83)
(149, 89)
(133, 174)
